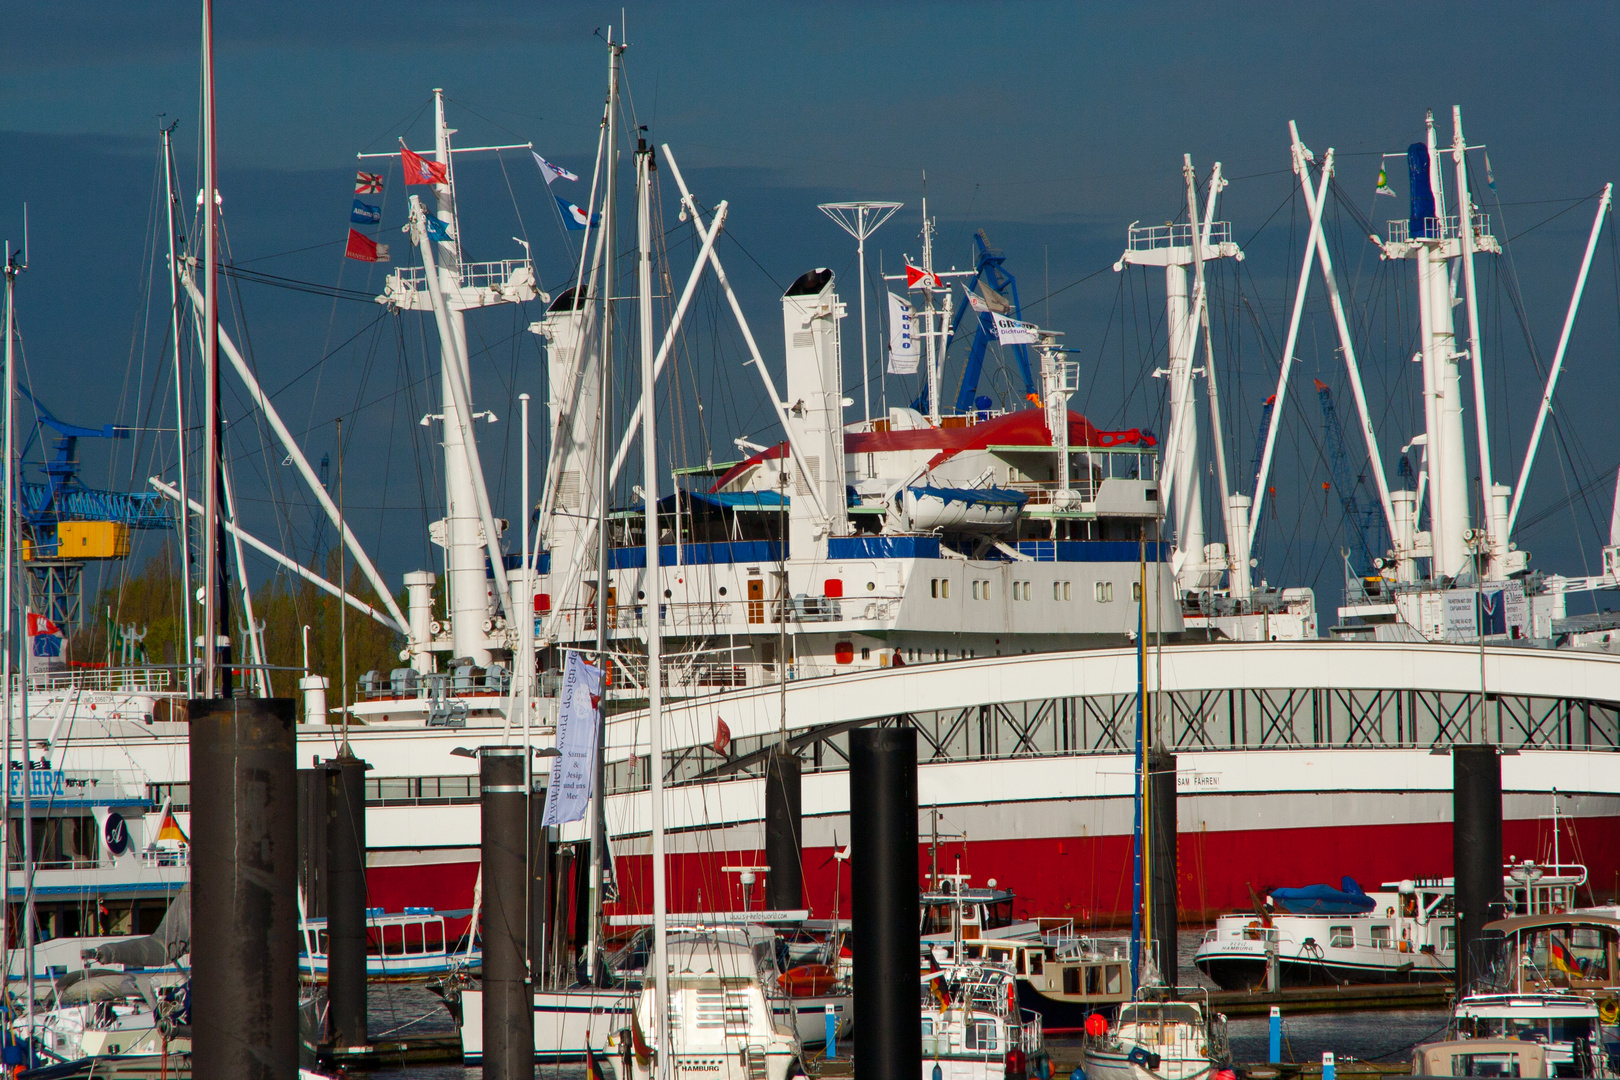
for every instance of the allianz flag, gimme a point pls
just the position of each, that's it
(903, 352)
(365, 214)
(437, 228)
(573, 216)
(44, 636)
(573, 772)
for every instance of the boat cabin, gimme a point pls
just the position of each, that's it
(1558, 952)
(1480, 1057)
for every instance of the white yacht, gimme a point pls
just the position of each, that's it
(1159, 1039)
(973, 1027)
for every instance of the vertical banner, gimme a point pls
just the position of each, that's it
(902, 337)
(573, 774)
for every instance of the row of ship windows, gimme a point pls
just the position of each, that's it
(940, 589)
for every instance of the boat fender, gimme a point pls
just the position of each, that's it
(1078, 1074)
(1609, 1011)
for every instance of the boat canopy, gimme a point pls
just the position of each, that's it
(1347, 899)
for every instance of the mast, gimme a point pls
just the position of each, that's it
(13, 268)
(216, 616)
(1138, 860)
(935, 361)
(655, 673)
(179, 409)
(598, 794)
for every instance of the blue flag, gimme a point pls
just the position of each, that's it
(365, 214)
(437, 228)
(573, 216)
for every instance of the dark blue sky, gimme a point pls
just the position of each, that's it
(1052, 126)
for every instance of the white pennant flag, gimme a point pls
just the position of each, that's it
(903, 352)
(1013, 332)
(573, 773)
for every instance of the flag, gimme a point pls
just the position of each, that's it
(936, 983)
(638, 1041)
(916, 275)
(593, 1071)
(1383, 184)
(550, 171)
(367, 183)
(437, 228)
(573, 216)
(1562, 958)
(44, 636)
(364, 248)
(419, 170)
(573, 771)
(1489, 179)
(976, 302)
(169, 827)
(1013, 332)
(722, 737)
(365, 214)
(902, 336)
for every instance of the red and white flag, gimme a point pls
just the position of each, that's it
(722, 737)
(367, 183)
(918, 278)
(364, 248)
(420, 170)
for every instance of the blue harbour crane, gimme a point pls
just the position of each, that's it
(999, 289)
(1366, 526)
(66, 525)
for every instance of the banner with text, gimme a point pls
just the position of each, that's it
(573, 774)
(902, 336)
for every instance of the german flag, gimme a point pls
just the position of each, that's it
(593, 1070)
(936, 983)
(638, 1041)
(169, 828)
(1562, 958)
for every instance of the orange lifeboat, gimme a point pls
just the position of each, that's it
(808, 980)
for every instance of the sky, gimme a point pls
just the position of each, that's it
(1050, 126)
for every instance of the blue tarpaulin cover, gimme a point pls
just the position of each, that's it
(1347, 899)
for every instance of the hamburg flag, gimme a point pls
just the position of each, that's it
(44, 636)
(364, 248)
(367, 183)
(722, 737)
(419, 170)
(574, 216)
(365, 214)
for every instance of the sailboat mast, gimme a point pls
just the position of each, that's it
(598, 818)
(1138, 862)
(216, 677)
(653, 620)
(6, 619)
(179, 408)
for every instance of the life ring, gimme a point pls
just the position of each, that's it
(1012, 999)
(1609, 1011)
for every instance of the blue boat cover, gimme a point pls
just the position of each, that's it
(976, 496)
(1347, 899)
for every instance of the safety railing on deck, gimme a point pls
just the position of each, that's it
(1174, 234)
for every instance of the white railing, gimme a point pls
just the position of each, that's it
(479, 275)
(129, 680)
(1440, 228)
(1173, 235)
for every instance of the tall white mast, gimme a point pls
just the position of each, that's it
(597, 816)
(10, 618)
(179, 409)
(214, 680)
(653, 621)
(935, 361)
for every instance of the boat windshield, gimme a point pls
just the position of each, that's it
(1155, 1012)
(1533, 1028)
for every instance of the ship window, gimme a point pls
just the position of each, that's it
(987, 590)
(1136, 592)
(1341, 937)
(1116, 978)
(1066, 591)
(981, 1035)
(975, 590)
(1381, 936)
(1448, 939)
(1036, 963)
(1057, 590)
(933, 587)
